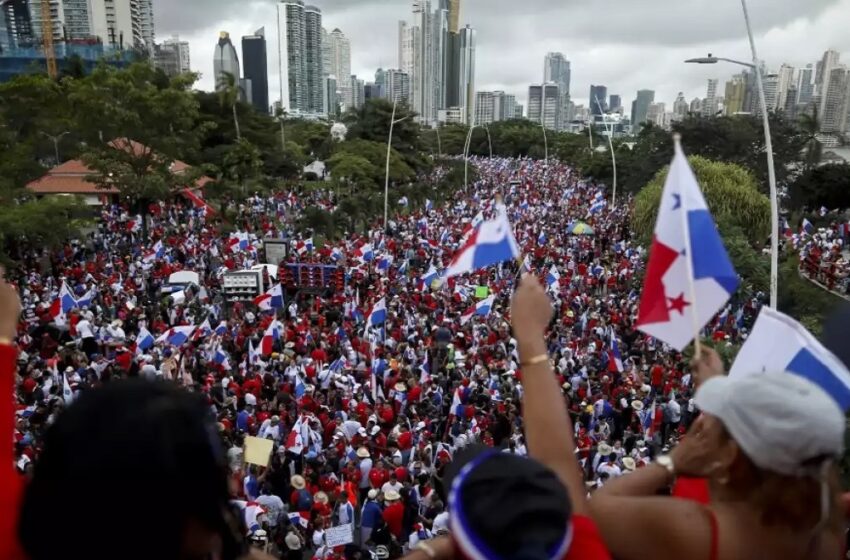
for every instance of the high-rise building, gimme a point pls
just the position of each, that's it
(786, 80)
(834, 116)
(696, 106)
(615, 103)
(823, 73)
(422, 72)
(172, 56)
(485, 108)
(507, 107)
(770, 83)
(405, 47)
(300, 52)
(330, 97)
(640, 107)
(598, 100)
(805, 85)
(454, 16)
(735, 93)
(123, 23)
(710, 106)
(225, 61)
(466, 73)
(358, 92)
(396, 86)
(544, 104)
(680, 107)
(556, 68)
(336, 60)
(655, 114)
(18, 23)
(519, 111)
(255, 64)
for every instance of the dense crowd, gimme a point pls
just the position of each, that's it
(364, 418)
(823, 258)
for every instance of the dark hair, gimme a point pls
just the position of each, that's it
(125, 470)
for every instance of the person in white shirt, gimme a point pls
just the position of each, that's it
(275, 507)
(392, 484)
(85, 330)
(610, 468)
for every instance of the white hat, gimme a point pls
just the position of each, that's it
(363, 453)
(292, 541)
(373, 493)
(629, 463)
(361, 431)
(780, 420)
(637, 405)
(375, 430)
(392, 496)
(605, 449)
(250, 399)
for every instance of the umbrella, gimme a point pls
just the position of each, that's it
(580, 228)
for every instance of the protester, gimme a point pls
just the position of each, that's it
(768, 445)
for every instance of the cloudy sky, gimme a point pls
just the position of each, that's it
(624, 44)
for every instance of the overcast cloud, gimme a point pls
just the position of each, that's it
(624, 44)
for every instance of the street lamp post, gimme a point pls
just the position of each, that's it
(393, 122)
(55, 142)
(768, 144)
(439, 143)
(610, 131)
(489, 140)
(466, 158)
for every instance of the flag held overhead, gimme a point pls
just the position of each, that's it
(684, 288)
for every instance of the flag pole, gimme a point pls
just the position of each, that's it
(677, 138)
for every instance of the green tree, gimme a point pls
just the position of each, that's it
(376, 154)
(356, 170)
(242, 164)
(810, 125)
(825, 185)
(38, 223)
(228, 95)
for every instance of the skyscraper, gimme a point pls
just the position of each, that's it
(466, 73)
(680, 107)
(786, 80)
(225, 61)
(805, 85)
(615, 103)
(485, 109)
(330, 97)
(172, 56)
(18, 23)
(834, 116)
(556, 68)
(454, 16)
(336, 60)
(255, 61)
(300, 45)
(640, 107)
(544, 104)
(710, 105)
(422, 74)
(598, 99)
(358, 92)
(396, 86)
(823, 80)
(736, 91)
(771, 91)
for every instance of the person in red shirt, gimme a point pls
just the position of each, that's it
(378, 475)
(394, 514)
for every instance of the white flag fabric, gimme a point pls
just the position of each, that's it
(779, 343)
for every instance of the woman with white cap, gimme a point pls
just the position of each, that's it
(767, 444)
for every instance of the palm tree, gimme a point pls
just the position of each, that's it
(810, 126)
(228, 95)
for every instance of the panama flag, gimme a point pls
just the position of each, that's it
(336, 253)
(684, 288)
(429, 205)
(490, 243)
(221, 329)
(378, 315)
(553, 277)
(384, 262)
(67, 301)
(272, 299)
(87, 298)
(144, 340)
(779, 343)
(429, 277)
(615, 359)
(807, 226)
(204, 330)
(176, 336)
(482, 309)
(271, 335)
(365, 253)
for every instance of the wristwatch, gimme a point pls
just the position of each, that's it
(667, 462)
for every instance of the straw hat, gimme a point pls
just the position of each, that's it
(298, 482)
(363, 453)
(400, 387)
(321, 497)
(605, 449)
(392, 496)
(629, 464)
(637, 405)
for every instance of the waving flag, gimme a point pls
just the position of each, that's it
(490, 243)
(378, 315)
(271, 336)
(87, 298)
(553, 277)
(429, 205)
(384, 262)
(176, 336)
(253, 354)
(403, 267)
(429, 277)
(779, 343)
(597, 207)
(541, 239)
(204, 330)
(67, 301)
(221, 329)
(272, 299)
(336, 253)
(144, 340)
(365, 253)
(526, 265)
(807, 226)
(156, 252)
(482, 309)
(689, 276)
(425, 370)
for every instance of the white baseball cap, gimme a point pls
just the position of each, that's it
(779, 419)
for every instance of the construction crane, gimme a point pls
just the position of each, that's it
(47, 39)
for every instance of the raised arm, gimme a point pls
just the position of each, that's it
(548, 430)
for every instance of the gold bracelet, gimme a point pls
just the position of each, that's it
(536, 360)
(427, 549)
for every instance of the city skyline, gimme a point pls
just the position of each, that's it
(635, 57)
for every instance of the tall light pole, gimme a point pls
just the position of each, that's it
(489, 140)
(768, 144)
(439, 143)
(393, 122)
(610, 131)
(55, 142)
(466, 158)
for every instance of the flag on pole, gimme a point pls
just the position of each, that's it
(553, 277)
(176, 336)
(779, 343)
(429, 277)
(615, 359)
(67, 300)
(684, 288)
(271, 335)
(145, 339)
(272, 299)
(492, 242)
(807, 227)
(378, 314)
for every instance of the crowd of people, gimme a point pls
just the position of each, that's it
(365, 415)
(823, 258)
